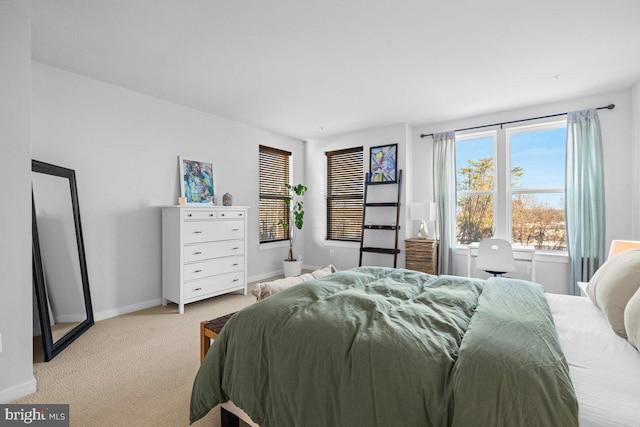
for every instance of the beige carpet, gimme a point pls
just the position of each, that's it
(133, 370)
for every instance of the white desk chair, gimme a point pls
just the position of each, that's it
(495, 256)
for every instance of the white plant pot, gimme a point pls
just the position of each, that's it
(292, 268)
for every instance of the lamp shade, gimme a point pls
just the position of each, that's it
(618, 246)
(422, 211)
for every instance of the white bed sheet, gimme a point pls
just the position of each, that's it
(604, 368)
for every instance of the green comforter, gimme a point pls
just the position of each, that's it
(383, 347)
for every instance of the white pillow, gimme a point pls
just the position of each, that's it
(264, 289)
(613, 285)
(632, 320)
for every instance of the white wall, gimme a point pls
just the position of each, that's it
(16, 370)
(346, 254)
(124, 147)
(552, 271)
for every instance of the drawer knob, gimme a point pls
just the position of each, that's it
(235, 229)
(235, 264)
(235, 249)
(198, 271)
(189, 215)
(210, 214)
(235, 280)
(197, 289)
(197, 232)
(197, 253)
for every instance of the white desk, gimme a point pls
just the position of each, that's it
(520, 253)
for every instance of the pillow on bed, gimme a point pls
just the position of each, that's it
(265, 289)
(632, 320)
(613, 285)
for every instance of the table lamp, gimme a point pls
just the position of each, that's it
(422, 212)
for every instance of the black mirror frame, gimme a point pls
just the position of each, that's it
(52, 349)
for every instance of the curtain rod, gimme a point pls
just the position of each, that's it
(607, 107)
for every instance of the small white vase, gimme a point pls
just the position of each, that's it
(292, 268)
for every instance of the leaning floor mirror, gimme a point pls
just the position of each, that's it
(60, 277)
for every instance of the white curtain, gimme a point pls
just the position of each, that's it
(584, 202)
(444, 184)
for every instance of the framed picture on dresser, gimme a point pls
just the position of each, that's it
(196, 182)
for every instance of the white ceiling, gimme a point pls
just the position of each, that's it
(294, 66)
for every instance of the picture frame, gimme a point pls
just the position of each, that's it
(383, 166)
(197, 182)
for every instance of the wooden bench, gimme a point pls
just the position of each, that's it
(209, 330)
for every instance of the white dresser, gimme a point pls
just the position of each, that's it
(203, 252)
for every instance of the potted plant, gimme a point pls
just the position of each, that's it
(292, 266)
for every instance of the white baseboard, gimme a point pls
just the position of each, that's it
(263, 276)
(17, 391)
(271, 274)
(70, 318)
(107, 314)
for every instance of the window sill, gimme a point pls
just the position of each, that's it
(560, 257)
(273, 245)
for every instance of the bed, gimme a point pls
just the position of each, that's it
(371, 346)
(604, 367)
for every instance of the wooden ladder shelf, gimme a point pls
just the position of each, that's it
(394, 227)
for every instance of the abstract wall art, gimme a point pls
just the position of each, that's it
(196, 182)
(383, 169)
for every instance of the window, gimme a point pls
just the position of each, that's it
(345, 182)
(274, 178)
(537, 186)
(475, 169)
(510, 183)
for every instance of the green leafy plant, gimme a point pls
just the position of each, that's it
(296, 214)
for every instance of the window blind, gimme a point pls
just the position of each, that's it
(274, 178)
(344, 194)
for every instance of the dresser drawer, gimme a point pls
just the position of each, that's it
(231, 214)
(202, 251)
(206, 231)
(214, 284)
(194, 215)
(425, 267)
(197, 270)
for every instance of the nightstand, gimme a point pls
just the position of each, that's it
(583, 289)
(421, 255)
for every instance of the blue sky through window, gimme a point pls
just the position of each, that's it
(473, 149)
(541, 155)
